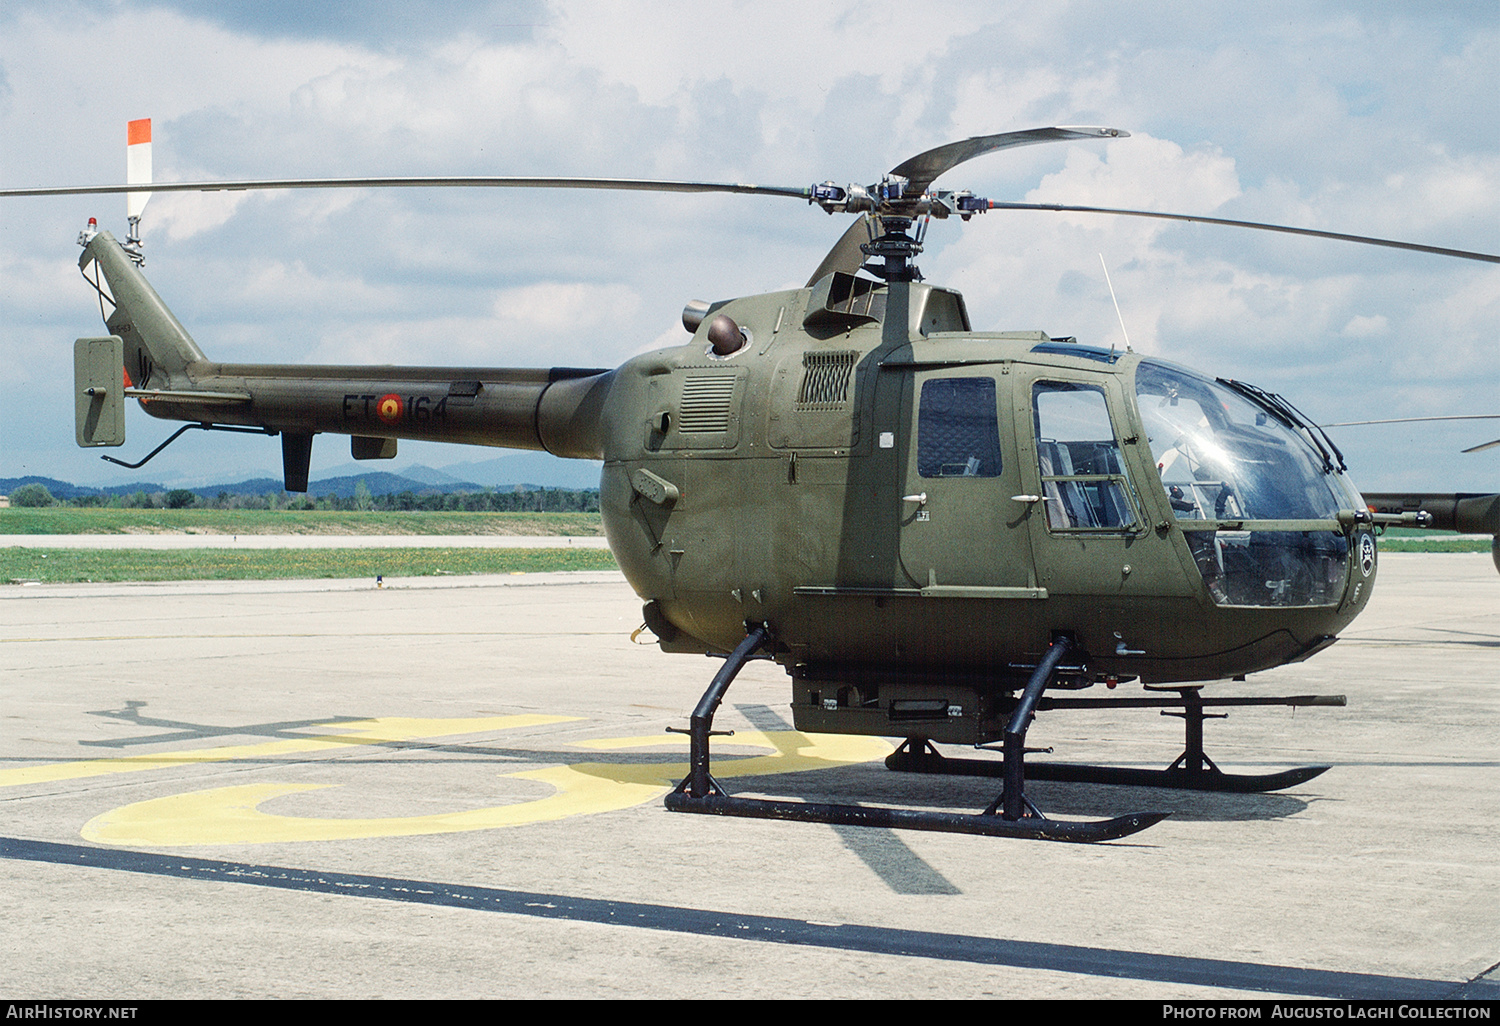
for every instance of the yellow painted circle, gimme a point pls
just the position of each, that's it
(232, 815)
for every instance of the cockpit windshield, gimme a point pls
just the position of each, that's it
(1223, 457)
(1233, 464)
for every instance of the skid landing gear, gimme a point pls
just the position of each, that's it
(1193, 770)
(1011, 815)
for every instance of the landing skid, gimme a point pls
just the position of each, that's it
(1011, 814)
(1193, 770)
(930, 760)
(985, 823)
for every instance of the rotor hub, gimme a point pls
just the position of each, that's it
(894, 248)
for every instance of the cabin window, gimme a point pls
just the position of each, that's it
(958, 432)
(1083, 481)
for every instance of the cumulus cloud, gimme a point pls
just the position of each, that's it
(1326, 114)
(1366, 327)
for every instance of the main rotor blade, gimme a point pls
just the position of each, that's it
(1412, 420)
(482, 181)
(923, 169)
(846, 255)
(1313, 232)
(1421, 420)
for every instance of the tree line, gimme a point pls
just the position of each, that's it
(517, 500)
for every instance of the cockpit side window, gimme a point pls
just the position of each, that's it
(1083, 478)
(958, 431)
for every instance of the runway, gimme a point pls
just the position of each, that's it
(452, 788)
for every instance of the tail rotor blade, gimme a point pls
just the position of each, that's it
(137, 165)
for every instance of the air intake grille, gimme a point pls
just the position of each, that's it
(705, 403)
(825, 380)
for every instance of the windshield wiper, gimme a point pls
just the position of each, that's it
(1292, 418)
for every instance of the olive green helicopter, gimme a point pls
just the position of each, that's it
(934, 530)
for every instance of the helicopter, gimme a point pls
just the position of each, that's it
(933, 530)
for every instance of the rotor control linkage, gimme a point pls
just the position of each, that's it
(700, 793)
(1193, 770)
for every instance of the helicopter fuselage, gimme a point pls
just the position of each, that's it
(918, 510)
(914, 509)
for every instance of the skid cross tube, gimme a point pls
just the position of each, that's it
(1193, 761)
(700, 782)
(1013, 798)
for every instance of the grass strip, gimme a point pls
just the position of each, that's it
(58, 566)
(1451, 543)
(71, 520)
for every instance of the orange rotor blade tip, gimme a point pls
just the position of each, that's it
(139, 132)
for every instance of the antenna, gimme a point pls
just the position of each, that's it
(1117, 305)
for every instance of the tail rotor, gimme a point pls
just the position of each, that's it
(137, 172)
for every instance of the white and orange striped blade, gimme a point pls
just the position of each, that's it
(137, 165)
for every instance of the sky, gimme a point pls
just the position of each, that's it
(1363, 117)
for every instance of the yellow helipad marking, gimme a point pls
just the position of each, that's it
(231, 815)
(383, 730)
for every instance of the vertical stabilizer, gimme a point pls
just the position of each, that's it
(158, 349)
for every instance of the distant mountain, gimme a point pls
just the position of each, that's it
(68, 490)
(255, 486)
(535, 469)
(436, 478)
(382, 483)
(531, 469)
(509, 470)
(417, 472)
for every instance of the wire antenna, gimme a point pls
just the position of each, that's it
(1117, 304)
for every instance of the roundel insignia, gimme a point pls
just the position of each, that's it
(1367, 554)
(390, 408)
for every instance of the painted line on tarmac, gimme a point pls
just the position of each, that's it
(1068, 958)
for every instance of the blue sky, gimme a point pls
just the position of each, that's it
(1361, 117)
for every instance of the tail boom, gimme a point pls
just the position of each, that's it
(550, 410)
(557, 410)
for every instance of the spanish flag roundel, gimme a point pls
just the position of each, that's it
(390, 408)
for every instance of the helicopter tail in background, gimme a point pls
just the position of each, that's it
(1466, 513)
(149, 356)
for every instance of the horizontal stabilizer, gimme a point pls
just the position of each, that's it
(168, 395)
